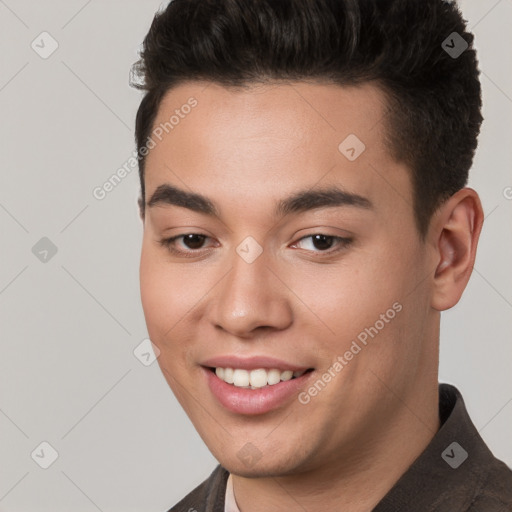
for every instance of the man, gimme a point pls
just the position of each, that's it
(303, 167)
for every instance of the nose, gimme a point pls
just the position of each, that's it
(252, 297)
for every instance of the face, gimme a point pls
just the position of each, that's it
(263, 276)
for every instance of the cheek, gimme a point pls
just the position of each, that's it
(369, 297)
(160, 302)
(171, 297)
(163, 309)
(391, 305)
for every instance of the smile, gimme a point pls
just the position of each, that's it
(256, 390)
(257, 378)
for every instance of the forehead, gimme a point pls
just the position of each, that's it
(269, 138)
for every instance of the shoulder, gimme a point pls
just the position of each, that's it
(495, 494)
(481, 482)
(206, 497)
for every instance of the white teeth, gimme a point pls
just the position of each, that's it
(286, 375)
(228, 375)
(240, 378)
(273, 377)
(258, 378)
(255, 379)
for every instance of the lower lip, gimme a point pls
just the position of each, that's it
(254, 401)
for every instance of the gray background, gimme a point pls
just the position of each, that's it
(69, 326)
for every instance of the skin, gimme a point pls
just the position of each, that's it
(245, 150)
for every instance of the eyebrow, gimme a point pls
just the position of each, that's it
(299, 202)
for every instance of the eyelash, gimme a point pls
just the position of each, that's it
(168, 243)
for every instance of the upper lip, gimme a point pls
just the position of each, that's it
(251, 363)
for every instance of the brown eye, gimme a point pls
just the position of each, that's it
(321, 243)
(191, 244)
(193, 241)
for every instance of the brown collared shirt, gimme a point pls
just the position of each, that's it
(455, 473)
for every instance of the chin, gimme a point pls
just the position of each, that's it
(258, 471)
(259, 465)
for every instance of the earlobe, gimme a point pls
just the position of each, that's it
(458, 229)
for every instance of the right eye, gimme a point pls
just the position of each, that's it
(193, 242)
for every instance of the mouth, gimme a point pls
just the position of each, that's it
(256, 391)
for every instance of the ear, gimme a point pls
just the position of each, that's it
(456, 230)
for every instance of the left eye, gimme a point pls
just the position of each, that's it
(319, 241)
(193, 242)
